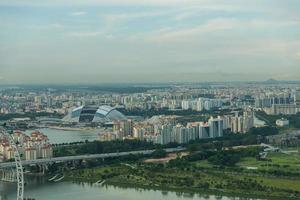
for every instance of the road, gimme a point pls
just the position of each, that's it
(84, 157)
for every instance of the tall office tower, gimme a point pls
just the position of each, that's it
(297, 97)
(166, 133)
(240, 124)
(284, 109)
(234, 126)
(193, 132)
(176, 132)
(138, 132)
(208, 105)
(220, 126)
(248, 121)
(185, 105)
(267, 102)
(38, 100)
(193, 105)
(49, 101)
(204, 130)
(215, 127)
(194, 129)
(199, 105)
(184, 135)
(226, 122)
(124, 127)
(181, 134)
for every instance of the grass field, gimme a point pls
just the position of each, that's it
(201, 175)
(277, 176)
(278, 161)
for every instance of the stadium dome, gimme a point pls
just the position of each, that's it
(87, 114)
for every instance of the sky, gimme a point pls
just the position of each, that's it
(132, 41)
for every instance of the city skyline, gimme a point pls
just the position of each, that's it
(134, 41)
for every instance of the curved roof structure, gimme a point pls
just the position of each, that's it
(87, 114)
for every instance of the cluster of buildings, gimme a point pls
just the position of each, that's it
(282, 109)
(283, 103)
(273, 99)
(33, 146)
(239, 123)
(180, 134)
(201, 104)
(164, 130)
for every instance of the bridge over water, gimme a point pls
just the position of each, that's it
(84, 157)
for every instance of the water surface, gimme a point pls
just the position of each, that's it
(62, 136)
(41, 189)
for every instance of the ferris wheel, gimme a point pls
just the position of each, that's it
(18, 163)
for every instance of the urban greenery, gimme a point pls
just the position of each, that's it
(31, 115)
(231, 164)
(202, 171)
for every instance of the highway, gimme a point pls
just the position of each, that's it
(84, 157)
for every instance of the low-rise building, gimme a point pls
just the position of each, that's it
(282, 122)
(33, 146)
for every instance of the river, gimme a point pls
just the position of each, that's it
(41, 189)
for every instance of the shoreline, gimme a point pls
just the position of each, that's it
(214, 191)
(84, 129)
(71, 129)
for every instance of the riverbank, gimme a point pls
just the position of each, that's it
(184, 180)
(41, 189)
(216, 192)
(74, 128)
(191, 191)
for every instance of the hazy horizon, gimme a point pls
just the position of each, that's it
(138, 41)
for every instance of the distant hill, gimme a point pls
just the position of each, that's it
(271, 80)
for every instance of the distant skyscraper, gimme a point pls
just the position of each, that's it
(216, 127)
(248, 121)
(38, 100)
(124, 127)
(297, 97)
(185, 105)
(166, 132)
(199, 105)
(242, 124)
(49, 101)
(204, 131)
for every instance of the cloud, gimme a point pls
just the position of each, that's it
(78, 13)
(167, 34)
(100, 2)
(85, 34)
(48, 26)
(258, 23)
(123, 17)
(147, 36)
(214, 25)
(184, 15)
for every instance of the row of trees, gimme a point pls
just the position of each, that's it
(31, 115)
(98, 147)
(254, 136)
(165, 111)
(224, 157)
